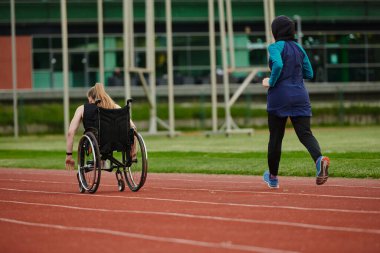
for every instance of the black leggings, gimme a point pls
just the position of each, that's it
(277, 129)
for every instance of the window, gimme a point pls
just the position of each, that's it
(41, 43)
(41, 61)
(56, 43)
(93, 59)
(77, 42)
(374, 55)
(346, 55)
(373, 38)
(374, 74)
(56, 61)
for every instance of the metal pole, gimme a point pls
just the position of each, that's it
(271, 14)
(169, 52)
(267, 22)
(299, 29)
(271, 18)
(150, 61)
(230, 34)
(14, 70)
(101, 41)
(65, 63)
(214, 99)
(131, 32)
(225, 67)
(126, 34)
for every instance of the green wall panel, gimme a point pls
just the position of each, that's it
(41, 79)
(306, 10)
(113, 11)
(5, 12)
(37, 12)
(86, 11)
(109, 56)
(181, 11)
(248, 11)
(373, 9)
(339, 10)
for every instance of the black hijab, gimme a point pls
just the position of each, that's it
(283, 28)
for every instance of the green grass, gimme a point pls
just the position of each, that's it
(47, 117)
(354, 153)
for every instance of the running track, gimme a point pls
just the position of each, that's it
(42, 211)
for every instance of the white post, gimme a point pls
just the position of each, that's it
(150, 61)
(14, 70)
(169, 52)
(131, 32)
(65, 66)
(225, 67)
(271, 17)
(214, 99)
(267, 22)
(299, 29)
(126, 35)
(271, 14)
(230, 34)
(101, 41)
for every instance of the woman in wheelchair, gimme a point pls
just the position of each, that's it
(108, 128)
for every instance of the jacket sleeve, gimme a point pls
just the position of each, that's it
(276, 60)
(307, 70)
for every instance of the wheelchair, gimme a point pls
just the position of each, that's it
(97, 146)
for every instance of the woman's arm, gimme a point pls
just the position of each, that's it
(277, 64)
(74, 125)
(133, 125)
(307, 70)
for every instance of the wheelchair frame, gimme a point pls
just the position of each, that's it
(91, 159)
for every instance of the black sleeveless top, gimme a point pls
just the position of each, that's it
(90, 116)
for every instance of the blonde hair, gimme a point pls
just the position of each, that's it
(97, 92)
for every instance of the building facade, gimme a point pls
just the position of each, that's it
(342, 39)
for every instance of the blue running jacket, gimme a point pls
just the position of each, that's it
(287, 94)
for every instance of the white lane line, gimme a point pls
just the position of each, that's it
(52, 182)
(46, 172)
(221, 245)
(202, 202)
(206, 217)
(210, 179)
(49, 182)
(312, 181)
(212, 190)
(271, 193)
(36, 181)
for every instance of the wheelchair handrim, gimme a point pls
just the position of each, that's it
(87, 188)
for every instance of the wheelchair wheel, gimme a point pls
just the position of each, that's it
(121, 185)
(89, 164)
(81, 189)
(135, 175)
(120, 180)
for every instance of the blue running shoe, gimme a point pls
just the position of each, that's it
(322, 166)
(272, 183)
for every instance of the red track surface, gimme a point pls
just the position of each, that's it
(42, 211)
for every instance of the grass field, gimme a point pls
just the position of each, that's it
(354, 152)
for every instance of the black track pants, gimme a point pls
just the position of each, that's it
(301, 126)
